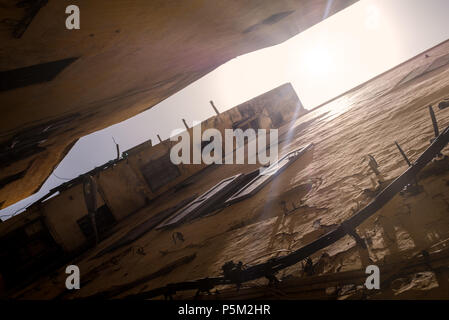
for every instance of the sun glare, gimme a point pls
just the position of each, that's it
(372, 17)
(318, 61)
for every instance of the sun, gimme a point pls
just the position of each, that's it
(318, 61)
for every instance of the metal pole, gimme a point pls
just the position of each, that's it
(403, 154)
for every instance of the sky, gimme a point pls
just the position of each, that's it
(334, 56)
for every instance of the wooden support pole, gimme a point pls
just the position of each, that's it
(117, 148)
(434, 122)
(214, 107)
(403, 153)
(185, 123)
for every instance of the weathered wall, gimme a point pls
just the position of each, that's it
(329, 190)
(125, 189)
(122, 190)
(62, 213)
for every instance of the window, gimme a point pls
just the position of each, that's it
(246, 123)
(9, 179)
(159, 172)
(258, 182)
(211, 200)
(439, 62)
(104, 221)
(230, 190)
(22, 77)
(422, 70)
